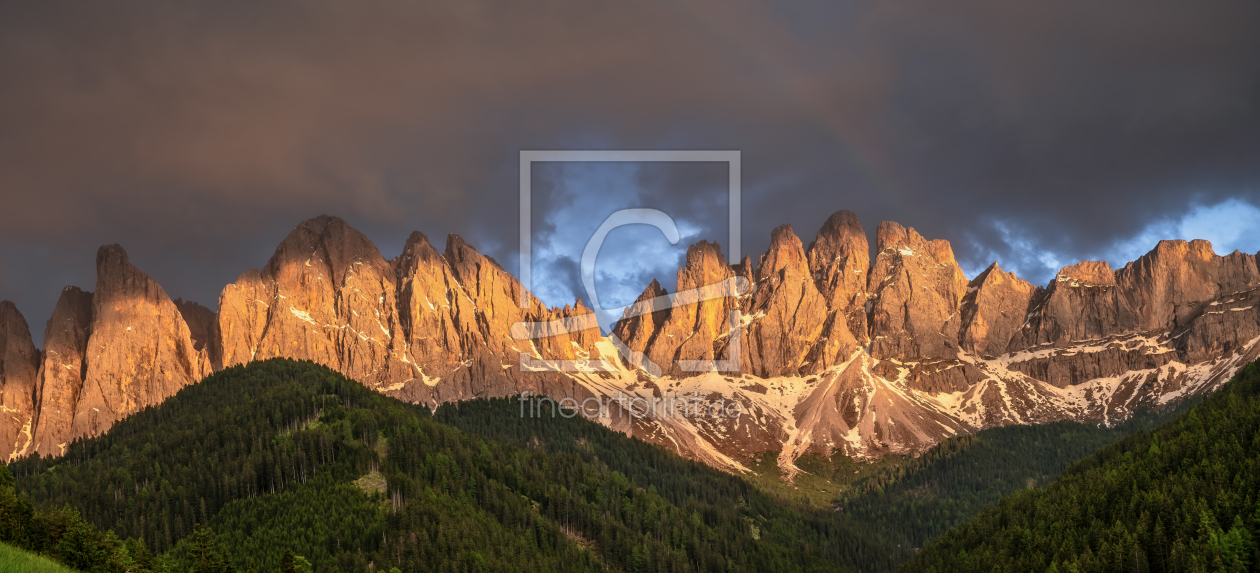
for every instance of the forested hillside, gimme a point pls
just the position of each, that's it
(289, 456)
(1184, 497)
(914, 502)
(904, 505)
(43, 541)
(715, 495)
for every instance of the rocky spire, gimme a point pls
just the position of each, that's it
(638, 331)
(686, 331)
(19, 369)
(786, 310)
(834, 355)
(993, 310)
(62, 370)
(840, 260)
(917, 287)
(140, 350)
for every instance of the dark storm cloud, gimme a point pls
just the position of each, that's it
(198, 134)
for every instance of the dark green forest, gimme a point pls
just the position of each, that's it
(903, 505)
(285, 456)
(914, 502)
(711, 494)
(62, 535)
(1184, 497)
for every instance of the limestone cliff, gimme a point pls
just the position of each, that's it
(836, 350)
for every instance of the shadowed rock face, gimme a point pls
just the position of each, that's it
(638, 331)
(19, 370)
(837, 351)
(62, 370)
(203, 326)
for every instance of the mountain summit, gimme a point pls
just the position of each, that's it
(838, 351)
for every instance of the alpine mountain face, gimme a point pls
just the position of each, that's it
(838, 350)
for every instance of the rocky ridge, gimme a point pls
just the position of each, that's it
(837, 352)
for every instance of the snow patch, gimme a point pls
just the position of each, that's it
(302, 315)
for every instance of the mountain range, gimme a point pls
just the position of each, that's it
(840, 351)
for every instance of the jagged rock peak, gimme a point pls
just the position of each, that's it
(1166, 285)
(418, 242)
(785, 251)
(839, 225)
(917, 287)
(331, 239)
(705, 251)
(705, 265)
(19, 370)
(64, 367)
(116, 276)
(985, 273)
(1087, 273)
(840, 259)
(12, 323)
(418, 250)
(1200, 248)
(459, 251)
(141, 348)
(19, 359)
(993, 310)
(493, 288)
(994, 269)
(890, 234)
(653, 290)
(744, 269)
(638, 330)
(840, 236)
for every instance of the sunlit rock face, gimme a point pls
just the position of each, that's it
(837, 351)
(139, 351)
(994, 310)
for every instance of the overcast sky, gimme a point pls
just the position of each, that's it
(197, 135)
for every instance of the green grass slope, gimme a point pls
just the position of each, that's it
(14, 560)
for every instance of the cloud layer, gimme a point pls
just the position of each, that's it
(198, 134)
